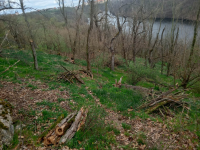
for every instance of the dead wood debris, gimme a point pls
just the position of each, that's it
(166, 98)
(88, 73)
(70, 60)
(119, 83)
(142, 90)
(9, 67)
(65, 129)
(69, 76)
(158, 100)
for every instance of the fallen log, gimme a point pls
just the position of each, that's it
(137, 88)
(65, 124)
(65, 129)
(45, 133)
(74, 127)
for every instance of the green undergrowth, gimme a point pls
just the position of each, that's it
(95, 134)
(48, 65)
(116, 98)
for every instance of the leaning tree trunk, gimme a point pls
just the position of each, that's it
(111, 48)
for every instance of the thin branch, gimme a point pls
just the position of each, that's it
(9, 67)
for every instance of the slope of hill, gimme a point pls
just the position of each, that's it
(179, 9)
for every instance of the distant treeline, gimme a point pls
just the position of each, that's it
(177, 9)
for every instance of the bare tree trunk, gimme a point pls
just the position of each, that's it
(61, 4)
(112, 60)
(162, 48)
(134, 48)
(152, 49)
(111, 48)
(31, 36)
(149, 43)
(106, 29)
(123, 46)
(194, 37)
(173, 43)
(88, 35)
(77, 27)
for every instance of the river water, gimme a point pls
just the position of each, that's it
(186, 28)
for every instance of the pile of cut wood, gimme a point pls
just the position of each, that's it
(64, 129)
(69, 76)
(169, 99)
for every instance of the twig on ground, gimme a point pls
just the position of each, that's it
(9, 67)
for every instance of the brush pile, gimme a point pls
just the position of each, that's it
(162, 103)
(69, 76)
(64, 129)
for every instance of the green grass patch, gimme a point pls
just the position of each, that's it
(126, 126)
(112, 128)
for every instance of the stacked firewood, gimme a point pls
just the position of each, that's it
(64, 129)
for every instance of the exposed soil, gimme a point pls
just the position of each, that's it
(25, 98)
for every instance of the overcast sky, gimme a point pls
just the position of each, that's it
(42, 4)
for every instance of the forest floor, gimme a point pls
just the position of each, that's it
(113, 121)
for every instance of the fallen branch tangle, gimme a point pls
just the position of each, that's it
(164, 99)
(69, 76)
(65, 129)
(158, 100)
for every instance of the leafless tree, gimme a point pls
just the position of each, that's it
(78, 19)
(31, 37)
(91, 2)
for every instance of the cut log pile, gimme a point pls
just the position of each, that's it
(69, 76)
(167, 98)
(64, 129)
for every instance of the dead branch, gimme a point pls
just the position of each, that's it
(6, 38)
(9, 67)
(69, 76)
(87, 72)
(165, 98)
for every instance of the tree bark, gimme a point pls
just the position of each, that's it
(88, 35)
